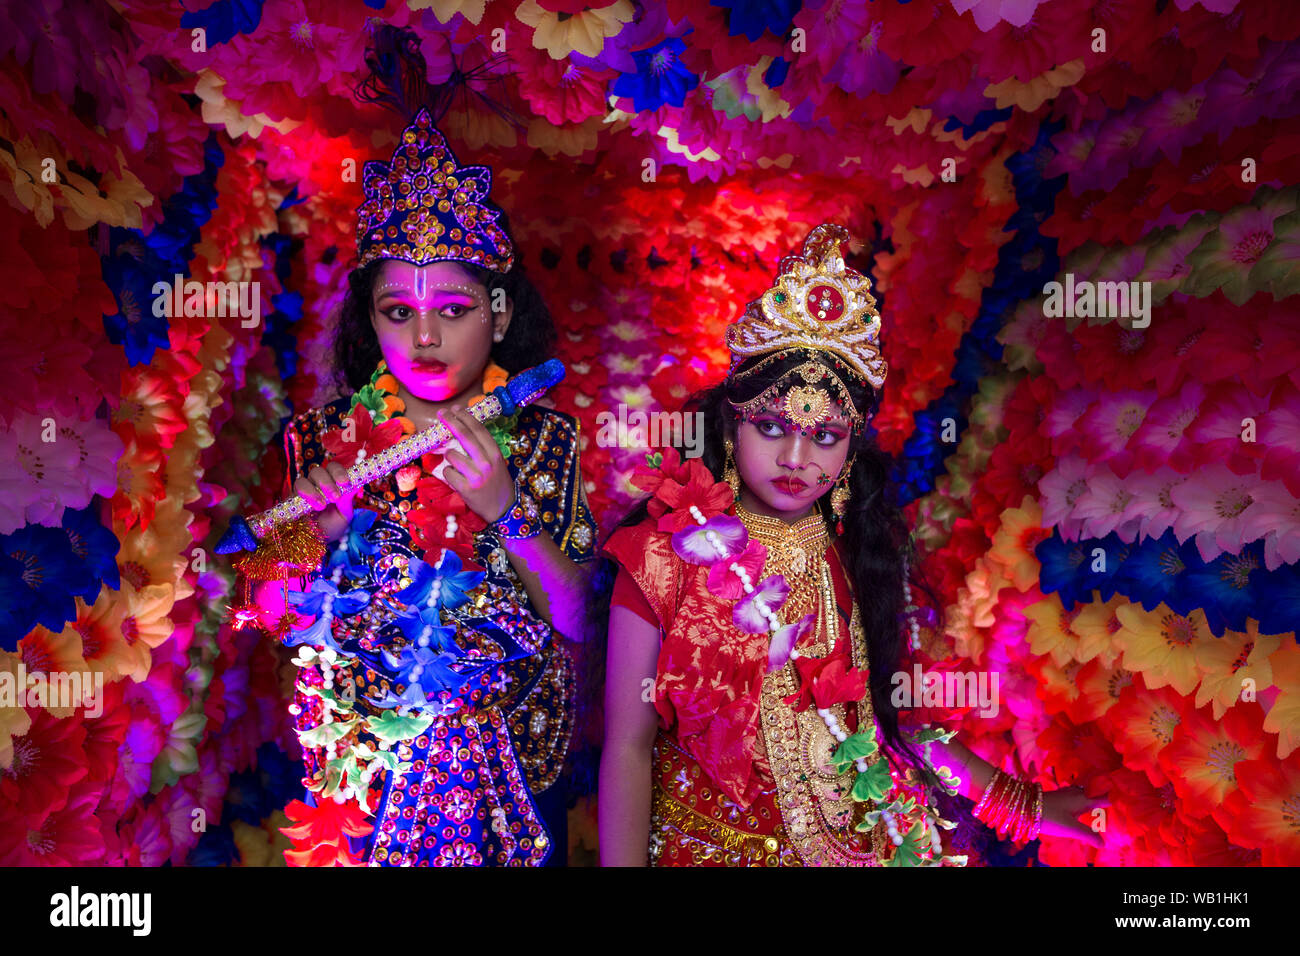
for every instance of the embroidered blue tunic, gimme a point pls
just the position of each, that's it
(477, 791)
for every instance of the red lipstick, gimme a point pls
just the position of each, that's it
(430, 365)
(787, 484)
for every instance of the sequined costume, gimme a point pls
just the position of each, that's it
(478, 787)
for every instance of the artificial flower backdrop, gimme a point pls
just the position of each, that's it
(662, 156)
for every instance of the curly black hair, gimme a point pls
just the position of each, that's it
(529, 340)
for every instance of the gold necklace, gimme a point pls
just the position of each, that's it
(798, 553)
(813, 797)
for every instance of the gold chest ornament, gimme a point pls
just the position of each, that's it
(815, 800)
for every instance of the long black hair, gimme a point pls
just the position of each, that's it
(529, 340)
(876, 539)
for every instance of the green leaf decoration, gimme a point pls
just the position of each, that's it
(861, 744)
(326, 733)
(931, 734)
(875, 784)
(908, 853)
(391, 729)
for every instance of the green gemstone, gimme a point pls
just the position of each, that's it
(779, 297)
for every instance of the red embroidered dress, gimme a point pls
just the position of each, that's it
(740, 777)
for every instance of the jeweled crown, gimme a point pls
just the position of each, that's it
(818, 304)
(424, 207)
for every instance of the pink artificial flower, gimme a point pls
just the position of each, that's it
(1106, 505)
(1109, 426)
(1225, 258)
(1218, 508)
(1153, 500)
(1163, 438)
(1061, 488)
(725, 582)
(1061, 423)
(1219, 431)
(1281, 510)
(36, 477)
(771, 591)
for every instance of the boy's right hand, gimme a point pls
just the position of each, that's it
(326, 489)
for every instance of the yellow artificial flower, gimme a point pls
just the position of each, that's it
(1284, 716)
(561, 34)
(1096, 624)
(1229, 661)
(44, 652)
(14, 721)
(104, 646)
(1046, 86)
(1014, 543)
(1051, 631)
(445, 10)
(160, 554)
(1162, 645)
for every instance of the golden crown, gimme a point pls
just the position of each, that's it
(818, 304)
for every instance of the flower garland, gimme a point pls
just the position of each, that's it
(689, 503)
(443, 580)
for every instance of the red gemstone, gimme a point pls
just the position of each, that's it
(825, 303)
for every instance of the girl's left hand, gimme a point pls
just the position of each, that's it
(480, 477)
(1061, 810)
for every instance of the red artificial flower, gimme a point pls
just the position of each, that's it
(47, 761)
(649, 477)
(428, 521)
(373, 438)
(68, 835)
(826, 681)
(699, 489)
(321, 832)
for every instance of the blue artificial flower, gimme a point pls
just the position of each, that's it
(319, 632)
(1225, 588)
(412, 696)
(135, 324)
(414, 620)
(357, 547)
(215, 848)
(225, 18)
(752, 17)
(660, 78)
(982, 121)
(1279, 600)
(424, 666)
(1155, 573)
(38, 581)
(96, 546)
(1067, 569)
(453, 583)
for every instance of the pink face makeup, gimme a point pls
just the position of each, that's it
(780, 463)
(433, 327)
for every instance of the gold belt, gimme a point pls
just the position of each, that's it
(713, 840)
